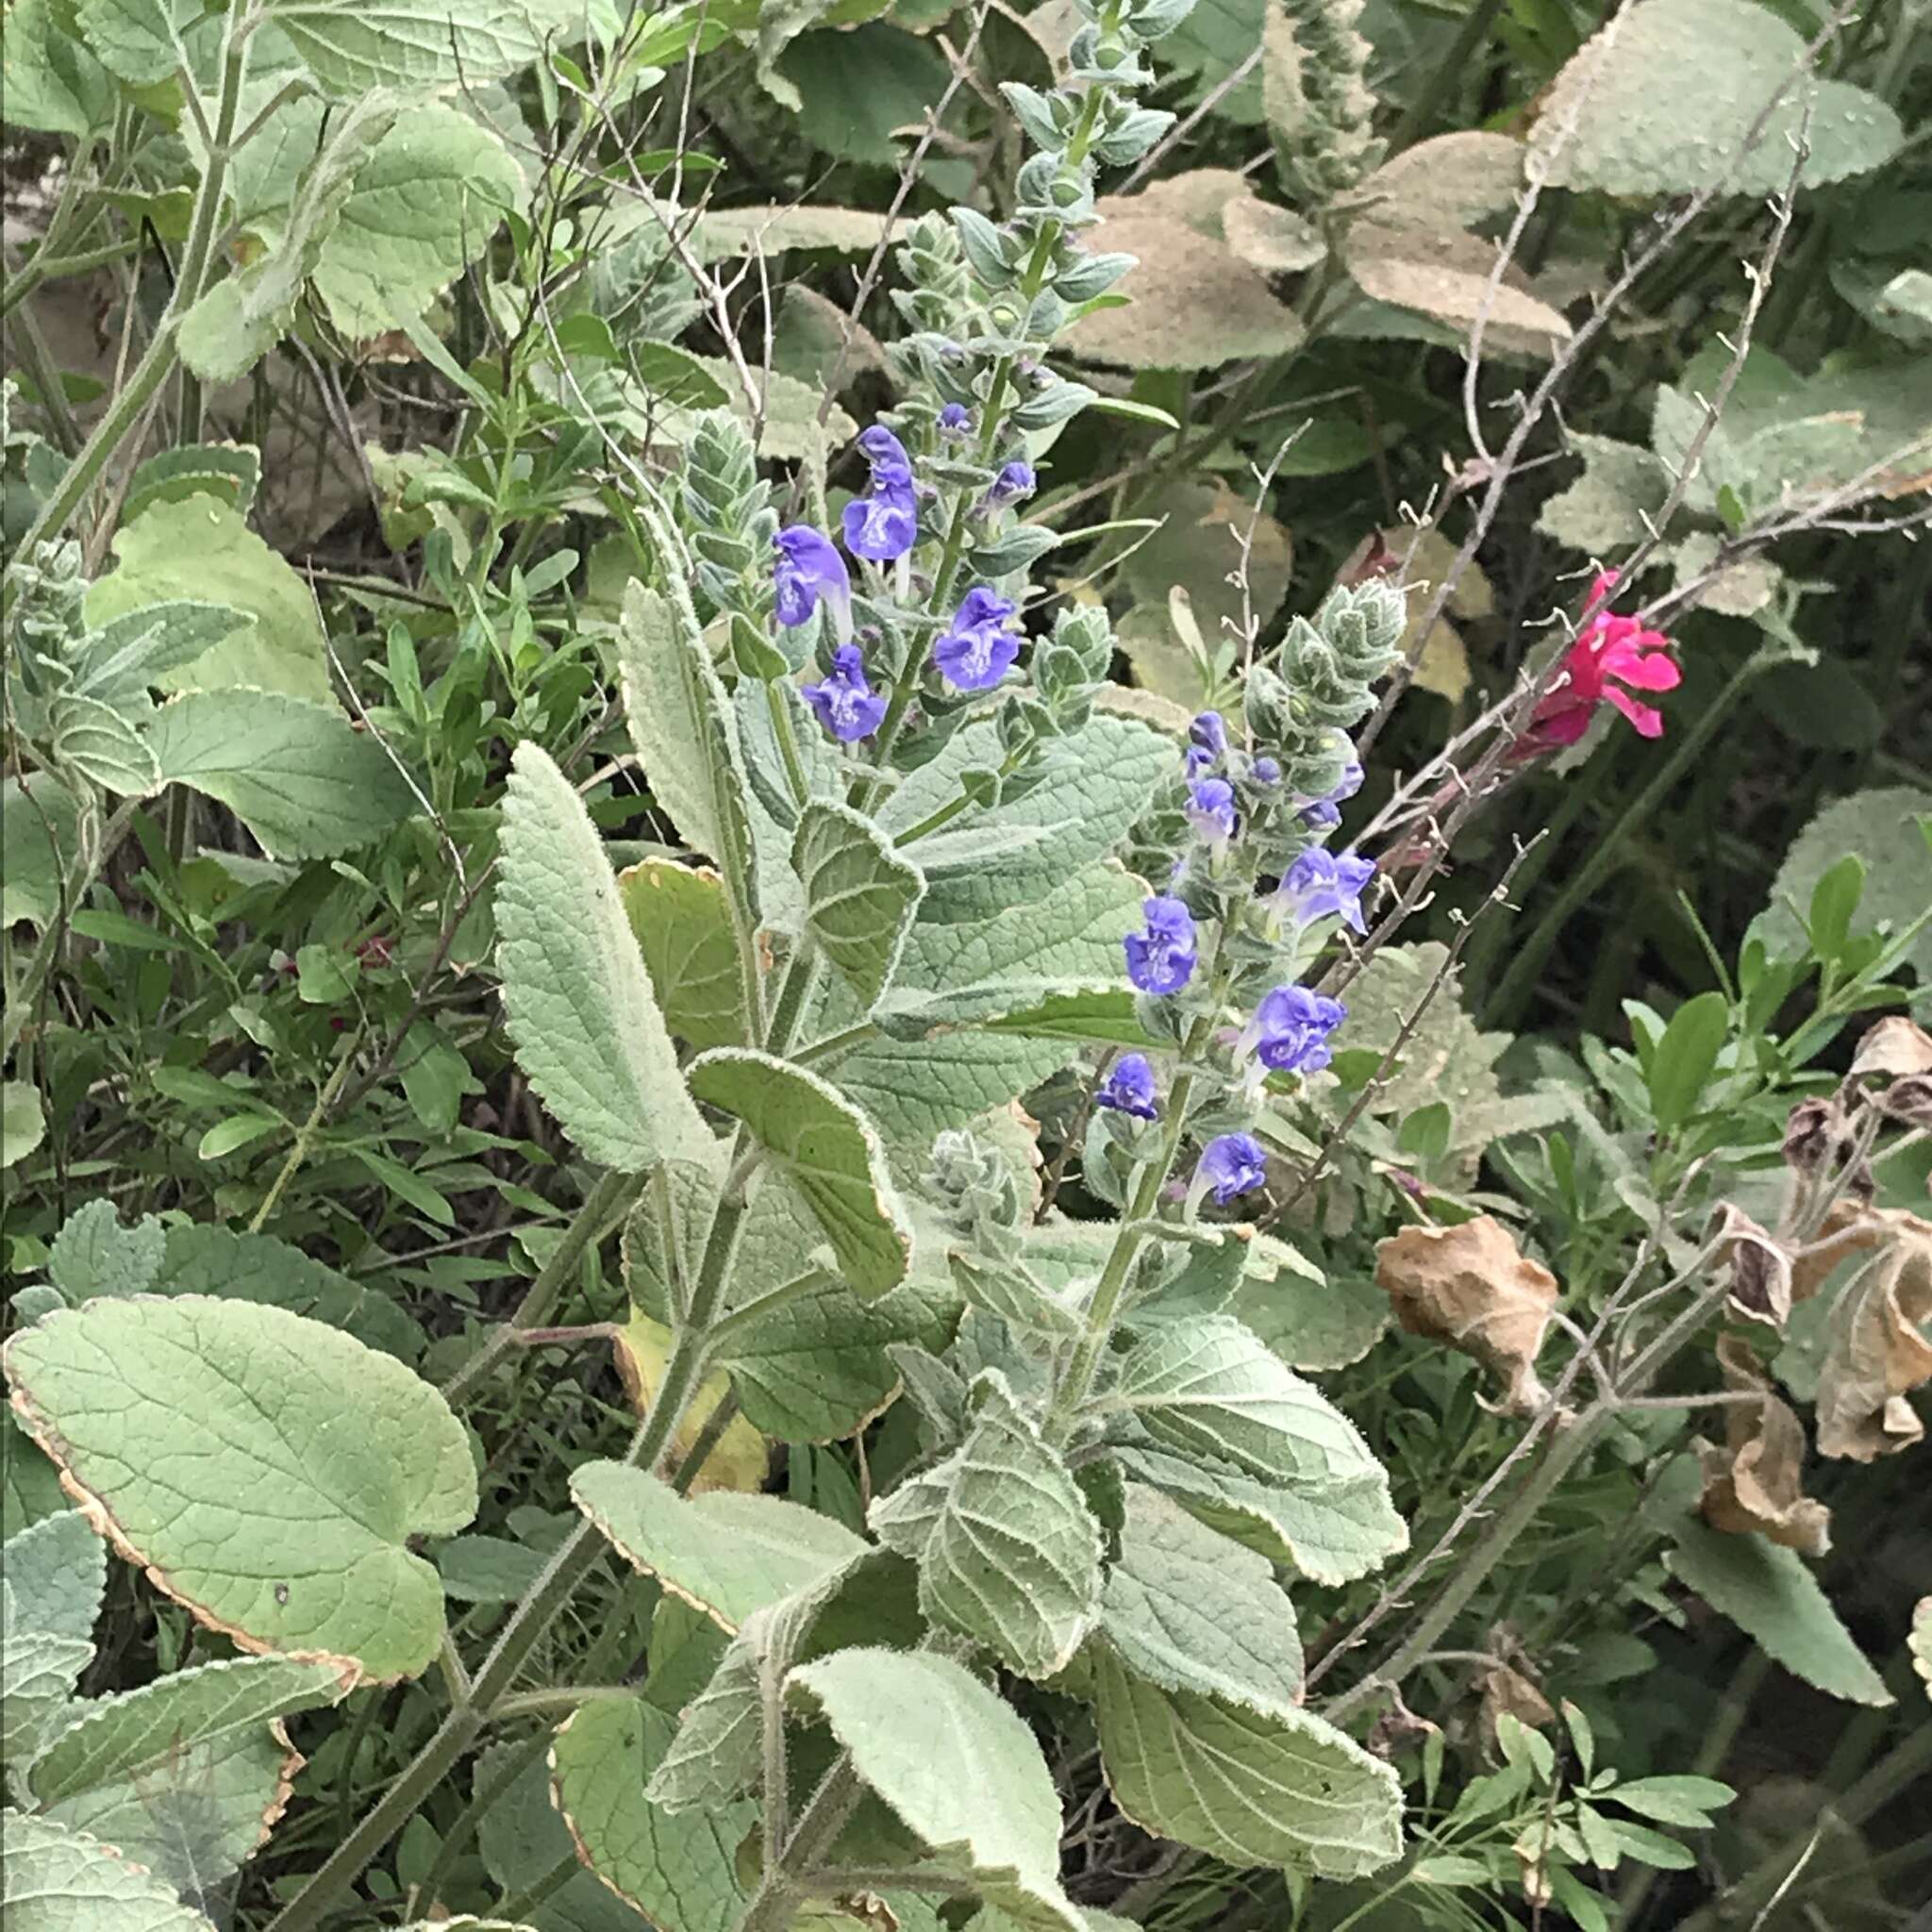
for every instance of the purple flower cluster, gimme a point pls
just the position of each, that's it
(1161, 960)
(1210, 809)
(1014, 484)
(807, 572)
(884, 522)
(976, 649)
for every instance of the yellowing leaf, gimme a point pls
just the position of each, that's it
(741, 1460)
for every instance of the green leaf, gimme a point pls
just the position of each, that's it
(913, 1090)
(424, 205)
(1189, 1610)
(1606, 508)
(241, 318)
(188, 1774)
(56, 1880)
(1686, 1056)
(1881, 827)
(228, 471)
(682, 725)
(94, 1255)
(860, 894)
(715, 1756)
(23, 1124)
(523, 1839)
(860, 88)
(582, 1012)
(816, 1368)
(1629, 115)
(1767, 1591)
(31, 1489)
(97, 744)
(40, 840)
(1672, 1799)
(268, 1472)
(58, 1570)
(301, 779)
(1008, 1553)
(1309, 1322)
(1214, 1389)
(681, 1873)
(1332, 1531)
(1092, 784)
(967, 1777)
(199, 551)
(826, 1148)
(1275, 1786)
(141, 41)
(38, 1674)
(142, 647)
(725, 1553)
(1062, 946)
(682, 923)
(351, 47)
(52, 82)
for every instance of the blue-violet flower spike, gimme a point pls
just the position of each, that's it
(1129, 1088)
(1161, 959)
(1290, 1029)
(956, 419)
(1232, 1164)
(1324, 885)
(883, 524)
(976, 651)
(846, 704)
(1267, 771)
(884, 450)
(1210, 809)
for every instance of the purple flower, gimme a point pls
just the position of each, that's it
(1232, 1164)
(885, 453)
(1161, 959)
(846, 705)
(1210, 809)
(1129, 1088)
(1209, 732)
(1014, 484)
(883, 524)
(1291, 1029)
(976, 651)
(956, 419)
(1324, 813)
(1197, 762)
(807, 571)
(1267, 771)
(1320, 885)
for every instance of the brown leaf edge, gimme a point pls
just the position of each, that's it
(101, 1520)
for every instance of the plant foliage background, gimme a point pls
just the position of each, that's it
(967, 964)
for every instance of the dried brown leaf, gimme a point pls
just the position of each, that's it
(1878, 1349)
(1895, 1046)
(1471, 1287)
(1508, 1692)
(1754, 1482)
(1446, 273)
(1453, 182)
(1760, 1269)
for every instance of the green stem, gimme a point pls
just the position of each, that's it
(1443, 74)
(573, 1560)
(1559, 1457)
(760, 1305)
(533, 1896)
(1077, 1384)
(824, 1818)
(157, 363)
(610, 1197)
(794, 990)
(781, 710)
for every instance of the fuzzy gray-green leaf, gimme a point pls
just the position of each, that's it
(860, 894)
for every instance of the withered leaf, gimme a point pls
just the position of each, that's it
(1895, 1046)
(1508, 1691)
(1878, 1349)
(1755, 1481)
(1760, 1269)
(1471, 1287)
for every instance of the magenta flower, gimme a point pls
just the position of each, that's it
(845, 703)
(1610, 654)
(807, 572)
(1161, 959)
(977, 650)
(1129, 1088)
(1232, 1164)
(1291, 1029)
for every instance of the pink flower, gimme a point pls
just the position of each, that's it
(1609, 648)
